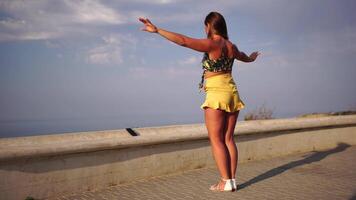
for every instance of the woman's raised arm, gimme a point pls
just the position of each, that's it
(239, 55)
(202, 45)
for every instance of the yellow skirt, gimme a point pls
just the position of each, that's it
(221, 93)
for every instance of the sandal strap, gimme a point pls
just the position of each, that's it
(228, 185)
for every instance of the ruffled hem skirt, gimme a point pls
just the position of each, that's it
(221, 93)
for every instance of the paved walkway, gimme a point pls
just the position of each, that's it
(329, 174)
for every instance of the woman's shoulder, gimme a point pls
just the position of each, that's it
(230, 47)
(229, 43)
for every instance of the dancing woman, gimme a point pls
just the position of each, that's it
(222, 103)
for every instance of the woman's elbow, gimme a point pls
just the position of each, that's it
(182, 42)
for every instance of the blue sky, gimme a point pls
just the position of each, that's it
(85, 65)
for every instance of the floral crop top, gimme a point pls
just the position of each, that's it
(221, 64)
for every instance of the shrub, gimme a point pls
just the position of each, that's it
(260, 113)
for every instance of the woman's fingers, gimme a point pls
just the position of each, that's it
(256, 53)
(148, 21)
(148, 26)
(143, 20)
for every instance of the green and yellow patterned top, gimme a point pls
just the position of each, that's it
(221, 64)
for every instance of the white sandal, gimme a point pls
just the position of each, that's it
(234, 186)
(228, 186)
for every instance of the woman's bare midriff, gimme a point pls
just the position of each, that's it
(211, 74)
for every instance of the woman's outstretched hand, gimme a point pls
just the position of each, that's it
(254, 55)
(149, 27)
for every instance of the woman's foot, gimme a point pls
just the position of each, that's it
(225, 185)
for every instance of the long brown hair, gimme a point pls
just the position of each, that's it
(217, 25)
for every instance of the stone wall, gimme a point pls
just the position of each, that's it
(47, 165)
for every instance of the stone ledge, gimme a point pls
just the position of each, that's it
(67, 143)
(48, 166)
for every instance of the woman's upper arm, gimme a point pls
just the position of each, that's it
(202, 45)
(237, 53)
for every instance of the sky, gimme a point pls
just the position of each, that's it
(85, 65)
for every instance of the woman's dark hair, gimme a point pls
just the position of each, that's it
(217, 24)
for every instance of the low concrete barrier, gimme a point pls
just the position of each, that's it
(48, 165)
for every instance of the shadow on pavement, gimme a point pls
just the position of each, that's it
(317, 156)
(353, 197)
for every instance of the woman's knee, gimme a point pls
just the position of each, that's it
(229, 141)
(217, 139)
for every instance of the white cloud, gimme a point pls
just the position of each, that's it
(91, 11)
(335, 42)
(38, 20)
(111, 50)
(171, 72)
(174, 71)
(13, 29)
(154, 1)
(157, 2)
(105, 54)
(192, 60)
(43, 19)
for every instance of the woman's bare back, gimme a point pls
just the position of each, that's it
(222, 43)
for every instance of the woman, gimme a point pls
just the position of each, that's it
(222, 103)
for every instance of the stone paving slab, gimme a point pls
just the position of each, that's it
(328, 174)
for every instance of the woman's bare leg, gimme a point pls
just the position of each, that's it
(230, 142)
(215, 122)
